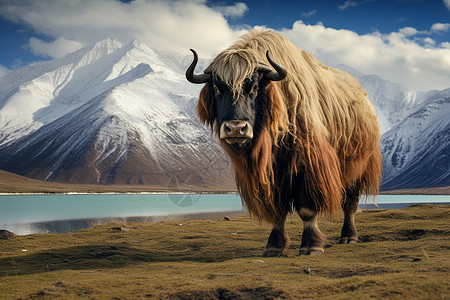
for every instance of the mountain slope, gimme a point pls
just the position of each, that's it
(392, 101)
(416, 153)
(110, 114)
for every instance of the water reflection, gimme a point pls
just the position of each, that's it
(63, 226)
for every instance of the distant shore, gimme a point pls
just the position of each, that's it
(117, 190)
(11, 184)
(445, 190)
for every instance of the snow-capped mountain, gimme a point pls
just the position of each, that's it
(416, 153)
(392, 101)
(116, 113)
(110, 113)
(416, 132)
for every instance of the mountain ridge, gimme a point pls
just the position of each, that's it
(416, 152)
(123, 121)
(114, 113)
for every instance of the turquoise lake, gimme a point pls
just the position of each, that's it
(25, 214)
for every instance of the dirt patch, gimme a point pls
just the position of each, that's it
(223, 294)
(350, 272)
(403, 235)
(410, 234)
(415, 234)
(61, 289)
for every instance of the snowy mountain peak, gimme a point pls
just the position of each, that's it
(392, 101)
(109, 44)
(417, 151)
(109, 113)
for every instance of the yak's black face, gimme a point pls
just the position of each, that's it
(236, 115)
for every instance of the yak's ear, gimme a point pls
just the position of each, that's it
(205, 106)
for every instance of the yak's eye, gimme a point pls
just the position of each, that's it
(252, 90)
(255, 90)
(216, 89)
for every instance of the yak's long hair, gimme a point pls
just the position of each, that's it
(320, 115)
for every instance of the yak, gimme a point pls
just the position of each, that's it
(301, 136)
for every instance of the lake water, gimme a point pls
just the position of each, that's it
(26, 214)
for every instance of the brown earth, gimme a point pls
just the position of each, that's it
(13, 183)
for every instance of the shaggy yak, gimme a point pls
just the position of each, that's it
(301, 136)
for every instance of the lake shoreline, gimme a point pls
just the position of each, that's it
(70, 225)
(445, 191)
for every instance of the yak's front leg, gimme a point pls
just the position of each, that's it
(278, 241)
(312, 238)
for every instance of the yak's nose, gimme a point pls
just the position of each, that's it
(236, 131)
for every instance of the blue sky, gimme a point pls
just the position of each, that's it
(406, 41)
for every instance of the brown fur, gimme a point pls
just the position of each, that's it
(320, 115)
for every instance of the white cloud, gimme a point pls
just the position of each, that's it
(429, 41)
(447, 3)
(408, 56)
(17, 63)
(309, 13)
(171, 25)
(235, 11)
(348, 4)
(55, 49)
(445, 45)
(408, 31)
(3, 70)
(397, 56)
(440, 27)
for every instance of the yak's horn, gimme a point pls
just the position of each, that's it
(191, 77)
(280, 72)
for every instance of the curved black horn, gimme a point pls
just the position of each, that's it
(191, 77)
(280, 72)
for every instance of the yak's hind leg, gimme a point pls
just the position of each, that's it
(312, 238)
(349, 233)
(278, 241)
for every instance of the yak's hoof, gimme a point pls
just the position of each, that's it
(348, 241)
(311, 251)
(274, 252)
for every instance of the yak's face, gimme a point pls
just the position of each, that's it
(237, 115)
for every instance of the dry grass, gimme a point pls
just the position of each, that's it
(402, 254)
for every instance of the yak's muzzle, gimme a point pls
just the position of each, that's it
(236, 132)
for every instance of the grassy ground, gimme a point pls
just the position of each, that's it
(402, 254)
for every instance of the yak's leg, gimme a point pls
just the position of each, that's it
(312, 238)
(349, 233)
(278, 241)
